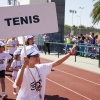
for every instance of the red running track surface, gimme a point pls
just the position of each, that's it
(65, 83)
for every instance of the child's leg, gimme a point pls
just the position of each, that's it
(14, 88)
(2, 80)
(2, 84)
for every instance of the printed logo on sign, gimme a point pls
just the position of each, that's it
(22, 20)
(33, 85)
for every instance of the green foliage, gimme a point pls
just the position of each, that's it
(82, 26)
(95, 14)
(67, 27)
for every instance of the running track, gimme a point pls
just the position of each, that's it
(65, 83)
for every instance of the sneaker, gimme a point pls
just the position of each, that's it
(15, 93)
(4, 96)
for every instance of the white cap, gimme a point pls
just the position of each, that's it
(17, 52)
(28, 37)
(2, 44)
(30, 50)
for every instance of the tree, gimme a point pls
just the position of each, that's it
(95, 14)
(74, 27)
(82, 26)
(67, 27)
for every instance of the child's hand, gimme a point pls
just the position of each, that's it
(10, 69)
(73, 50)
(25, 61)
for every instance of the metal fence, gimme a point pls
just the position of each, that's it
(92, 52)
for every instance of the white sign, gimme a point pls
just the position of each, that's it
(28, 19)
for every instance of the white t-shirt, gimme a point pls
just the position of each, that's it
(23, 54)
(3, 60)
(46, 38)
(11, 42)
(24, 93)
(16, 64)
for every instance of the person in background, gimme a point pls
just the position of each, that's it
(15, 66)
(67, 41)
(93, 37)
(12, 47)
(4, 56)
(73, 40)
(96, 39)
(29, 40)
(78, 42)
(82, 43)
(82, 38)
(46, 38)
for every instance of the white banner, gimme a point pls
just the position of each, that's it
(28, 20)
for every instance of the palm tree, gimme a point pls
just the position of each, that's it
(95, 14)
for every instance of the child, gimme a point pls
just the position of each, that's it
(36, 77)
(29, 40)
(3, 60)
(15, 66)
(12, 46)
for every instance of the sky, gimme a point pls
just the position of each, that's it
(74, 5)
(85, 15)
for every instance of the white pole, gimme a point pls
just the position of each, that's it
(28, 78)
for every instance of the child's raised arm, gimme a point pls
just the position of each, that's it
(61, 60)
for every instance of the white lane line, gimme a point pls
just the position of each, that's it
(78, 77)
(69, 89)
(59, 85)
(9, 79)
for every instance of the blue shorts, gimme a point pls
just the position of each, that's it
(67, 47)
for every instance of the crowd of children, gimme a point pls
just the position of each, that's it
(37, 72)
(88, 45)
(11, 60)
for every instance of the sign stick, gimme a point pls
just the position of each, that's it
(28, 78)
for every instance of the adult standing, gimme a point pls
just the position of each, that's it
(46, 38)
(67, 41)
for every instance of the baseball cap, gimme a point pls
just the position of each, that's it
(28, 37)
(30, 50)
(2, 44)
(17, 52)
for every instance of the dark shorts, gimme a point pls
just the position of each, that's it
(11, 55)
(11, 58)
(2, 74)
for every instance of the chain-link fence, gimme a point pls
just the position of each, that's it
(83, 31)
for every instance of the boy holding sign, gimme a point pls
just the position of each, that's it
(37, 74)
